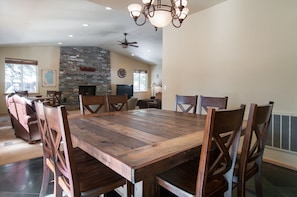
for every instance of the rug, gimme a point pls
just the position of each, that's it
(14, 149)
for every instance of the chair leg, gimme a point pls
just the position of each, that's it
(57, 189)
(45, 181)
(258, 184)
(157, 190)
(241, 188)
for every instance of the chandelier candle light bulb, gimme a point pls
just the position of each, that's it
(159, 15)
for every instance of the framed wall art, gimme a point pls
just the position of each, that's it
(48, 78)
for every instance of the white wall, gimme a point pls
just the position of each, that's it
(156, 77)
(244, 49)
(119, 61)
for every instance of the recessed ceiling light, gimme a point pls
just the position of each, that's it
(60, 43)
(108, 8)
(70, 36)
(85, 25)
(132, 54)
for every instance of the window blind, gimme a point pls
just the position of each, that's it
(20, 61)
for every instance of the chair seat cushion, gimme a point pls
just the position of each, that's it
(184, 177)
(93, 174)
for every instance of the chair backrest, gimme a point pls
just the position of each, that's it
(22, 93)
(45, 136)
(55, 96)
(24, 110)
(186, 103)
(213, 102)
(117, 102)
(222, 130)
(12, 107)
(255, 136)
(92, 104)
(60, 139)
(132, 102)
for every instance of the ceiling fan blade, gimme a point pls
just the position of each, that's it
(125, 43)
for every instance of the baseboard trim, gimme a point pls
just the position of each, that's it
(280, 164)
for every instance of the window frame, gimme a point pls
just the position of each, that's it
(139, 72)
(22, 63)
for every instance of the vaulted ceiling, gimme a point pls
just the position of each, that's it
(50, 22)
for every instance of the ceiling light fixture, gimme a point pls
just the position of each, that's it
(160, 15)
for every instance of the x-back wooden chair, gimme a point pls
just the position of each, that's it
(117, 102)
(79, 175)
(205, 177)
(48, 162)
(92, 104)
(213, 102)
(186, 103)
(249, 161)
(55, 97)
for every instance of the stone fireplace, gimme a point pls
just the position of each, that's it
(87, 90)
(83, 70)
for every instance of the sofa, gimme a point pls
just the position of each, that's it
(153, 102)
(23, 117)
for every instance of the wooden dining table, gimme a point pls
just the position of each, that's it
(138, 144)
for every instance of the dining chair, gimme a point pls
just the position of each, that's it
(48, 162)
(117, 102)
(249, 161)
(22, 93)
(214, 102)
(132, 102)
(205, 177)
(186, 103)
(55, 97)
(92, 104)
(76, 175)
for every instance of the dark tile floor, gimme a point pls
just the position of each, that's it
(23, 179)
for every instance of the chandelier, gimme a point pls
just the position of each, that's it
(159, 15)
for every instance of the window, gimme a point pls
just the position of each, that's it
(140, 83)
(20, 75)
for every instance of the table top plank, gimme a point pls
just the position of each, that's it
(139, 142)
(88, 133)
(155, 152)
(129, 131)
(160, 124)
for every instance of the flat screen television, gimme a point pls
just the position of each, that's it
(125, 89)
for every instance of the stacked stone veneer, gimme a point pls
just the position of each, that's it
(83, 66)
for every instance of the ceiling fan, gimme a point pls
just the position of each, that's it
(125, 43)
